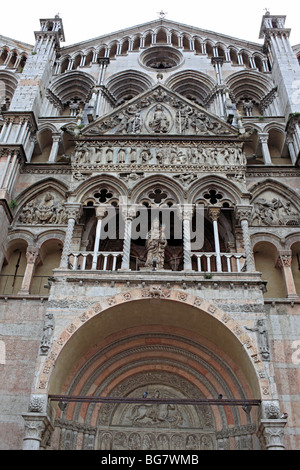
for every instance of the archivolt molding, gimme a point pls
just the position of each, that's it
(151, 183)
(230, 190)
(47, 366)
(83, 191)
(272, 185)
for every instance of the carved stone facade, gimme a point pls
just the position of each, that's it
(150, 240)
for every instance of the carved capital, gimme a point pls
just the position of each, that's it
(214, 213)
(101, 211)
(128, 211)
(37, 430)
(263, 137)
(243, 212)
(270, 433)
(284, 259)
(32, 255)
(73, 211)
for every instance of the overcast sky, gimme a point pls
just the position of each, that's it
(90, 19)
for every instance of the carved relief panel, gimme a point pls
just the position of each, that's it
(270, 208)
(44, 209)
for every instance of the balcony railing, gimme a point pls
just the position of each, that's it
(103, 261)
(202, 262)
(230, 262)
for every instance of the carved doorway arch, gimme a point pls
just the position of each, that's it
(159, 340)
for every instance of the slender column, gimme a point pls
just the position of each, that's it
(100, 213)
(290, 142)
(128, 215)
(214, 213)
(54, 148)
(284, 262)
(73, 211)
(33, 257)
(244, 214)
(187, 215)
(263, 139)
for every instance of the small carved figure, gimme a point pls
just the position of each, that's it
(262, 338)
(155, 245)
(160, 122)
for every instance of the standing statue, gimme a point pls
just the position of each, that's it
(262, 338)
(155, 245)
(160, 122)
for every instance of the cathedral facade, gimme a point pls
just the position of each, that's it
(150, 240)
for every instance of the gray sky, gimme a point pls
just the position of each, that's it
(90, 19)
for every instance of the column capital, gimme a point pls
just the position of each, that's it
(128, 211)
(36, 427)
(73, 211)
(32, 254)
(101, 210)
(263, 137)
(186, 211)
(284, 259)
(270, 433)
(243, 212)
(214, 213)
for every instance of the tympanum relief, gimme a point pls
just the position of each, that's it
(44, 209)
(271, 209)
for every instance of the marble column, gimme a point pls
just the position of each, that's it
(100, 214)
(73, 211)
(128, 215)
(33, 257)
(187, 214)
(54, 148)
(243, 214)
(214, 213)
(284, 262)
(263, 139)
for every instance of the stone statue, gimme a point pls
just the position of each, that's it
(155, 245)
(47, 334)
(262, 339)
(160, 122)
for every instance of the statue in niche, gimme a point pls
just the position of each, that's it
(47, 334)
(109, 155)
(145, 155)
(155, 245)
(82, 154)
(121, 156)
(160, 122)
(262, 339)
(133, 156)
(161, 155)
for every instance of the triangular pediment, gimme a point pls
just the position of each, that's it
(160, 111)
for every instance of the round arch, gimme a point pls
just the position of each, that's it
(141, 339)
(73, 341)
